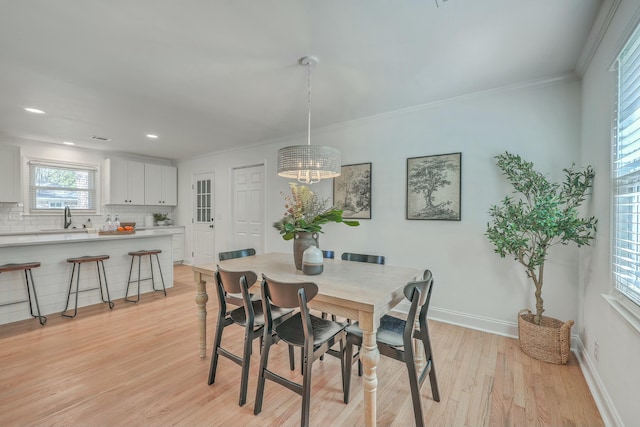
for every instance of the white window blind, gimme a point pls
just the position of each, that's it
(626, 173)
(54, 186)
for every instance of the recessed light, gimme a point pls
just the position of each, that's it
(68, 143)
(149, 135)
(34, 110)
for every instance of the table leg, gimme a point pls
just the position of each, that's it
(370, 356)
(201, 302)
(418, 352)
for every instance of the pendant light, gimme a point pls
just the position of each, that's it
(308, 163)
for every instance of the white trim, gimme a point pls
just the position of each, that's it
(626, 310)
(624, 38)
(599, 392)
(598, 30)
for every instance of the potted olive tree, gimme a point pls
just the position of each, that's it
(525, 226)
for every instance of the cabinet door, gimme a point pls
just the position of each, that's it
(118, 183)
(152, 184)
(135, 181)
(9, 174)
(169, 185)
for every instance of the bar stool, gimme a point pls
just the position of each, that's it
(26, 267)
(140, 254)
(99, 260)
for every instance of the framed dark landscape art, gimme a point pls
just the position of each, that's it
(433, 187)
(352, 191)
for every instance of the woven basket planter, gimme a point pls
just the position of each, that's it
(550, 341)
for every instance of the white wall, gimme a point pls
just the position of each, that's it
(474, 285)
(617, 372)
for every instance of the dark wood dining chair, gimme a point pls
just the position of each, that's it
(395, 340)
(313, 334)
(250, 316)
(374, 259)
(236, 299)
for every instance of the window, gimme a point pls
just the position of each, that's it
(54, 186)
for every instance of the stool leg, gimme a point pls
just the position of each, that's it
(139, 268)
(75, 312)
(161, 277)
(41, 319)
(126, 294)
(106, 286)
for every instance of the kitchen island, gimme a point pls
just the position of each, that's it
(51, 279)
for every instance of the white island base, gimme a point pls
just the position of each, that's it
(51, 279)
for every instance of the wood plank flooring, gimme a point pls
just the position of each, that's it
(138, 365)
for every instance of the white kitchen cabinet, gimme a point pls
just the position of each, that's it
(178, 246)
(160, 185)
(124, 182)
(9, 174)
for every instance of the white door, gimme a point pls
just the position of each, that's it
(248, 208)
(203, 219)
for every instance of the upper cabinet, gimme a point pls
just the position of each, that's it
(9, 174)
(160, 185)
(124, 182)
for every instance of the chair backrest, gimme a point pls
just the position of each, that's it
(240, 253)
(424, 286)
(285, 294)
(230, 280)
(328, 254)
(373, 259)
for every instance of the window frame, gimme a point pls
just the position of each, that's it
(623, 297)
(29, 197)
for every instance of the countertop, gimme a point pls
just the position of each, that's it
(76, 236)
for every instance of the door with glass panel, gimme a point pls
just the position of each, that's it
(203, 219)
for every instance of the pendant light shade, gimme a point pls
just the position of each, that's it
(309, 163)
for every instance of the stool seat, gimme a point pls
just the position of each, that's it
(145, 252)
(16, 267)
(28, 277)
(88, 258)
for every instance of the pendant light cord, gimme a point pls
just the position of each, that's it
(309, 102)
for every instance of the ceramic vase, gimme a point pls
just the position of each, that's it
(301, 241)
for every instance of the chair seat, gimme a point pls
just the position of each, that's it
(389, 332)
(239, 316)
(291, 332)
(145, 252)
(88, 258)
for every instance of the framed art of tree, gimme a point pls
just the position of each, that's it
(433, 187)
(352, 191)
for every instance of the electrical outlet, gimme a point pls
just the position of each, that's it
(596, 350)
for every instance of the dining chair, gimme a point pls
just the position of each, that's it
(313, 334)
(236, 299)
(374, 259)
(250, 316)
(395, 340)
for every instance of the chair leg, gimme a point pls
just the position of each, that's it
(214, 352)
(292, 363)
(348, 356)
(426, 343)
(106, 285)
(414, 386)
(306, 389)
(264, 358)
(75, 312)
(246, 362)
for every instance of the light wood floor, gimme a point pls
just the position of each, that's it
(138, 365)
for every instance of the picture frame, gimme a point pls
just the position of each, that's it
(352, 191)
(434, 187)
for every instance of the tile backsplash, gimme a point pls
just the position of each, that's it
(14, 220)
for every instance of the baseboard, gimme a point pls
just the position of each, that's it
(480, 323)
(598, 391)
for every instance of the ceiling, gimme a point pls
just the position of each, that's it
(212, 75)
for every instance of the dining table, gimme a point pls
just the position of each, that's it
(354, 290)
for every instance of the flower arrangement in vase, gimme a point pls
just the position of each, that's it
(305, 214)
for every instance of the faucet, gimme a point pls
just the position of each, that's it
(67, 217)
